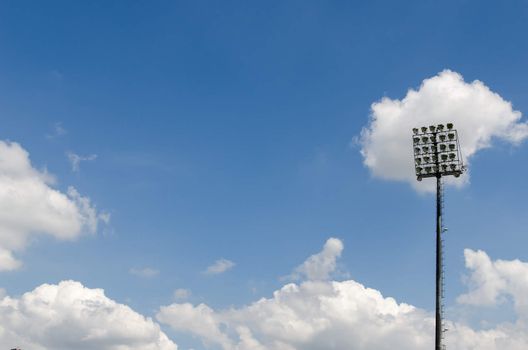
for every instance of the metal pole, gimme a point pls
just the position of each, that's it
(439, 267)
(439, 258)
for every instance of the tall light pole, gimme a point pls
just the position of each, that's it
(437, 154)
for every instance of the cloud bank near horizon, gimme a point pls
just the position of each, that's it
(313, 314)
(316, 314)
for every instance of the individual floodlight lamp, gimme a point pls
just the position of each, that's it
(437, 154)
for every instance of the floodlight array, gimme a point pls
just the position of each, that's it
(437, 151)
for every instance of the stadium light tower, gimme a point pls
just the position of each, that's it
(437, 154)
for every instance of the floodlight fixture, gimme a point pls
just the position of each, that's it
(436, 146)
(437, 154)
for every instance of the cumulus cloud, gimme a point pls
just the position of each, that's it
(318, 314)
(70, 316)
(219, 266)
(200, 320)
(30, 206)
(312, 315)
(491, 282)
(75, 160)
(479, 114)
(321, 265)
(146, 272)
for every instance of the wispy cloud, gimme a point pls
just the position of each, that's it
(105, 217)
(219, 266)
(145, 272)
(75, 160)
(57, 131)
(182, 294)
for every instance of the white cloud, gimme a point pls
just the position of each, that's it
(491, 282)
(76, 160)
(219, 266)
(312, 315)
(200, 320)
(89, 216)
(25, 190)
(181, 294)
(342, 315)
(70, 316)
(145, 272)
(321, 265)
(479, 115)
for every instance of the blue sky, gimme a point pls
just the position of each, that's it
(229, 130)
